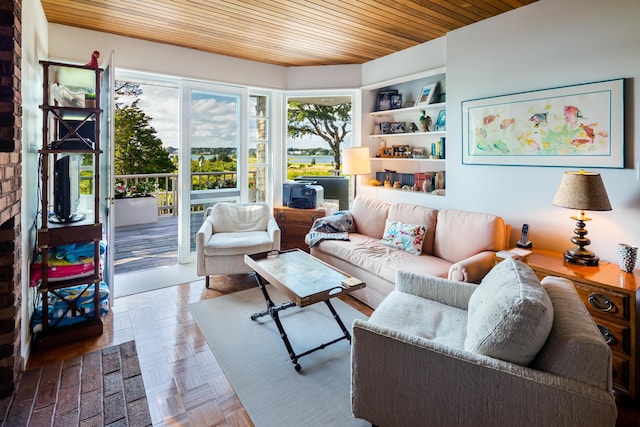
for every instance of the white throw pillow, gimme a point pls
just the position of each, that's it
(510, 314)
(408, 237)
(238, 217)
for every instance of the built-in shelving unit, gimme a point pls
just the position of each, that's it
(397, 141)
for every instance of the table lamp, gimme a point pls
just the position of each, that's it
(583, 191)
(356, 161)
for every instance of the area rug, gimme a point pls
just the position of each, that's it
(254, 359)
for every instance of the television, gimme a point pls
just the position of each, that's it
(66, 190)
(335, 187)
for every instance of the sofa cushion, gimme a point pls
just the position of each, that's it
(369, 254)
(236, 217)
(369, 216)
(415, 214)
(461, 234)
(510, 314)
(408, 237)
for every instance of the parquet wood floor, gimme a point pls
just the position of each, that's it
(184, 383)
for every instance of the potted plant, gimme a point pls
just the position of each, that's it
(89, 100)
(135, 204)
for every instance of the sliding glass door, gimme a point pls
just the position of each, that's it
(213, 155)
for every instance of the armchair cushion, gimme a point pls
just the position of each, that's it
(231, 217)
(238, 243)
(510, 314)
(406, 312)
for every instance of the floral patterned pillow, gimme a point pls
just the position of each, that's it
(408, 237)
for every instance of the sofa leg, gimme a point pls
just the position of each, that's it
(206, 282)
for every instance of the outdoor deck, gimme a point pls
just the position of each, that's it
(144, 246)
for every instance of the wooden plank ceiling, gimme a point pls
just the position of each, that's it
(281, 32)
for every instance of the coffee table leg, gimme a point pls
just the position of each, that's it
(337, 318)
(272, 310)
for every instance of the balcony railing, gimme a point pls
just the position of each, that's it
(166, 185)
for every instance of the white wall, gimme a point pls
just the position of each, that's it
(409, 61)
(141, 55)
(34, 49)
(544, 45)
(75, 45)
(324, 77)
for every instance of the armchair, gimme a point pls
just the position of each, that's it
(411, 362)
(230, 231)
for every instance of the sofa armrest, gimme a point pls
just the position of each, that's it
(202, 236)
(472, 269)
(274, 232)
(438, 289)
(403, 380)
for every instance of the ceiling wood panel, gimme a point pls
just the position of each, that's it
(281, 32)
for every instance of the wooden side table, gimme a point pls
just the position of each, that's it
(295, 224)
(613, 299)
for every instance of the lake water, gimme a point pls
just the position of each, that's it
(320, 160)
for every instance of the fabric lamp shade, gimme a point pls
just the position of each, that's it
(583, 191)
(356, 161)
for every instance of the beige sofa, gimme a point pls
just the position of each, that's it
(458, 245)
(508, 352)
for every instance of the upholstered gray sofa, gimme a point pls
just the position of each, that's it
(442, 353)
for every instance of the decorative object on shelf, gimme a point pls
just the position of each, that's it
(401, 151)
(437, 149)
(93, 62)
(396, 101)
(425, 121)
(627, 257)
(89, 100)
(65, 97)
(417, 153)
(385, 128)
(441, 121)
(397, 127)
(413, 127)
(384, 99)
(356, 161)
(582, 191)
(427, 94)
(581, 125)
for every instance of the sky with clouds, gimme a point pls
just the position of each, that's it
(213, 118)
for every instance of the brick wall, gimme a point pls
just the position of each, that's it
(10, 192)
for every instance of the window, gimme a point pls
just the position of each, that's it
(258, 147)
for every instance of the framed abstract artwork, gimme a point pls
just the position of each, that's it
(572, 126)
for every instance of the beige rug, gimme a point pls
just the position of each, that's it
(254, 359)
